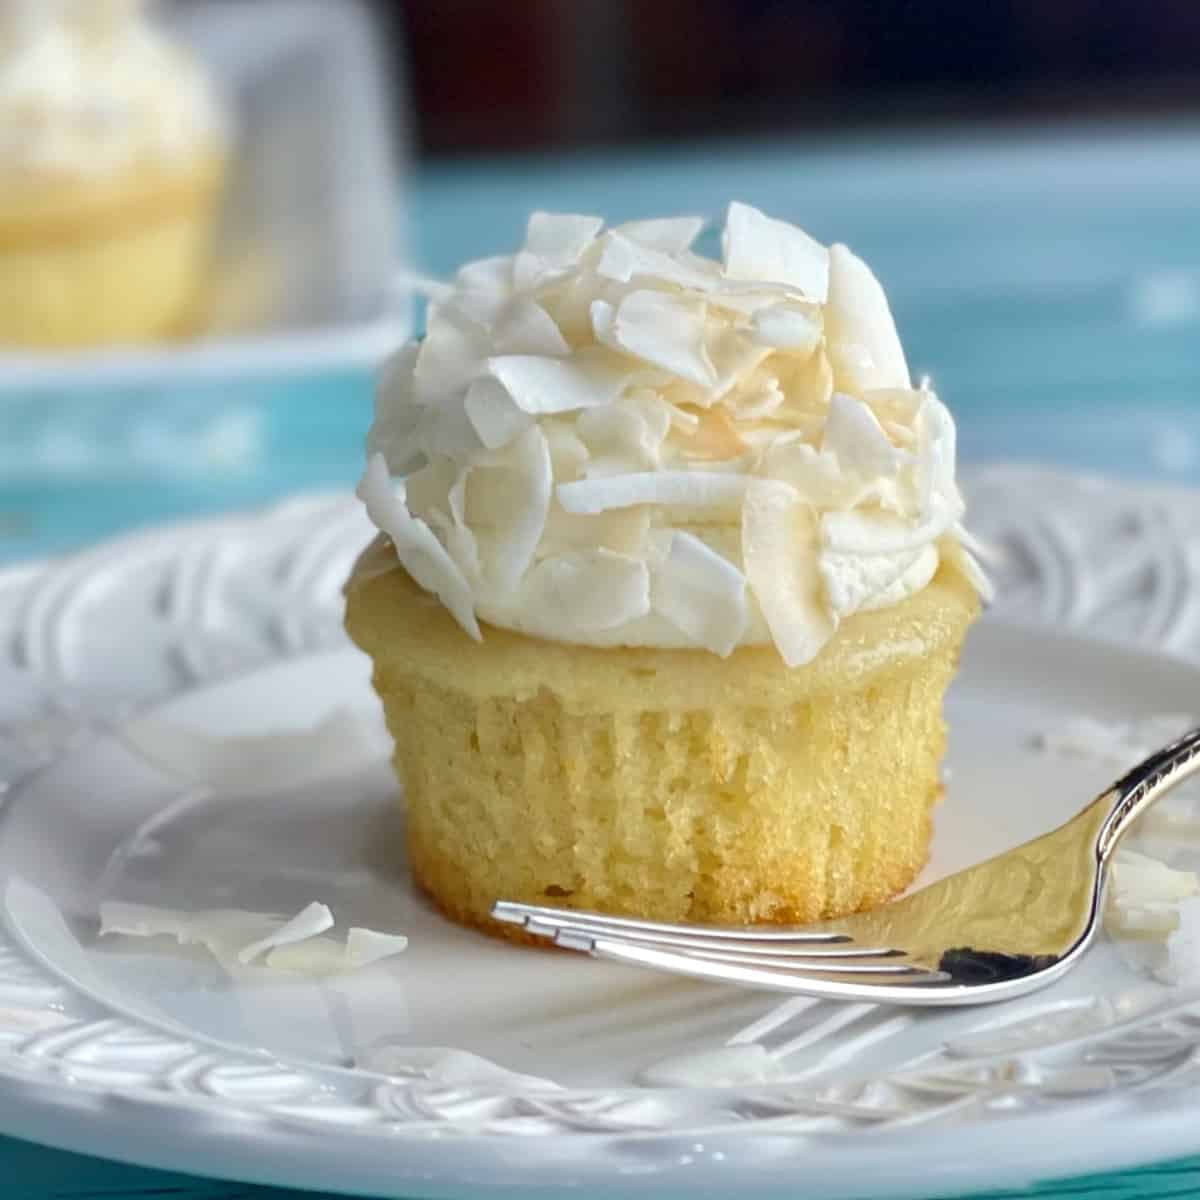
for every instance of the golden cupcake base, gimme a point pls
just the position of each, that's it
(104, 263)
(668, 784)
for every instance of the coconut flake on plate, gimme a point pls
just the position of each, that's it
(309, 922)
(221, 931)
(423, 556)
(701, 593)
(1182, 966)
(1145, 894)
(327, 956)
(762, 249)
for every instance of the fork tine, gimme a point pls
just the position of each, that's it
(581, 938)
(832, 983)
(827, 955)
(519, 914)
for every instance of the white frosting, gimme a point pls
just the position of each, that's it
(88, 87)
(608, 439)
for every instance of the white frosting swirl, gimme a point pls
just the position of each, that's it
(608, 439)
(88, 87)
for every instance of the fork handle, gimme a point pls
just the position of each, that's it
(1143, 785)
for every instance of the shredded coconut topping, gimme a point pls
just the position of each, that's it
(609, 439)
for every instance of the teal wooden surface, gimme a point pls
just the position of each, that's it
(1050, 285)
(30, 1172)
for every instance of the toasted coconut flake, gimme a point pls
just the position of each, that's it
(622, 530)
(816, 474)
(682, 419)
(779, 548)
(487, 275)
(790, 326)
(624, 260)
(760, 248)
(309, 922)
(484, 288)
(560, 239)
(539, 384)
(671, 235)
(423, 556)
(449, 357)
(760, 400)
(525, 327)
(936, 454)
(445, 428)
(859, 329)
(701, 593)
(398, 416)
(458, 537)
(568, 454)
(855, 437)
(666, 331)
(682, 489)
(494, 414)
(735, 358)
(621, 434)
(506, 504)
(588, 590)
(715, 438)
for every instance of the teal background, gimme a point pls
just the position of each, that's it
(1050, 284)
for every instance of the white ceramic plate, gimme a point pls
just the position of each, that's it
(575, 1074)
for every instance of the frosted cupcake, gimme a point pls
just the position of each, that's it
(112, 151)
(670, 580)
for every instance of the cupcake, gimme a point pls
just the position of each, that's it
(112, 152)
(670, 578)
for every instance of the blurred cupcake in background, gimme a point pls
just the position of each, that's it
(113, 147)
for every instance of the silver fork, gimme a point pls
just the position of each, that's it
(998, 930)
